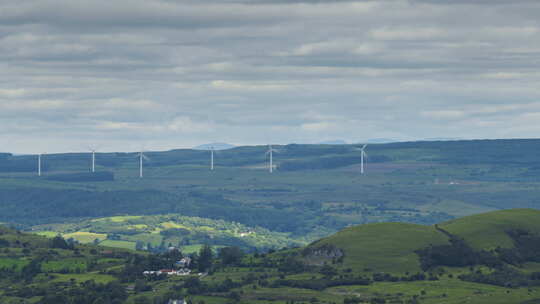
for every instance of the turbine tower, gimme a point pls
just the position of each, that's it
(141, 157)
(271, 160)
(39, 164)
(93, 150)
(212, 158)
(362, 155)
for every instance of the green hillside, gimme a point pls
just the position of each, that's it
(387, 247)
(392, 247)
(489, 230)
(163, 231)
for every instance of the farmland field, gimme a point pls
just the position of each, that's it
(118, 244)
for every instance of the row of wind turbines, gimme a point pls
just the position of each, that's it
(140, 155)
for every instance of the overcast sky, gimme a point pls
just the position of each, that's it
(163, 74)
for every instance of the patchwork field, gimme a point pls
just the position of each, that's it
(163, 231)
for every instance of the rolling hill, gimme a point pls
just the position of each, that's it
(393, 247)
(159, 232)
(388, 247)
(490, 230)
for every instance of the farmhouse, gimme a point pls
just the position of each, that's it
(177, 301)
(179, 272)
(183, 263)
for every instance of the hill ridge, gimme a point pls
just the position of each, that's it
(393, 246)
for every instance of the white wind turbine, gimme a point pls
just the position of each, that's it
(271, 160)
(93, 151)
(39, 164)
(363, 155)
(212, 158)
(141, 157)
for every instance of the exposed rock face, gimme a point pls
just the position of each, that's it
(319, 255)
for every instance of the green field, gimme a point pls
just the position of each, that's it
(384, 247)
(85, 237)
(98, 278)
(488, 230)
(188, 233)
(11, 263)
(65, 265)
(118, 244)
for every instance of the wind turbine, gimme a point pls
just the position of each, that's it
(93, 151)
(39, 164)
(362, 155)
(271, 153)
(141, 157)
(212, 158)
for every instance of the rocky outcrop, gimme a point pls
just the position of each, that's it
(319, 255)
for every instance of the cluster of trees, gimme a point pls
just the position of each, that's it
(526, 248)
(38, 205)
(458, 253)
(419, 276)
(503, 276)
(195, 286)
(88, 292)
(320, 284)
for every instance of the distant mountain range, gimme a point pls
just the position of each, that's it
(333, 142)
(368, 141)
(380, 140)
(216, 146)
(442, 139)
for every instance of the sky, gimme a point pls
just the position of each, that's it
(129, 74)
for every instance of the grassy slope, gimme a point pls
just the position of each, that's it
(390, 247)
(387, 247)
(487, 230)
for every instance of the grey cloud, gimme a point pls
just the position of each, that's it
(124, 14)
(180, 73)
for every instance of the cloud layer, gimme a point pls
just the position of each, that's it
(166, 74)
